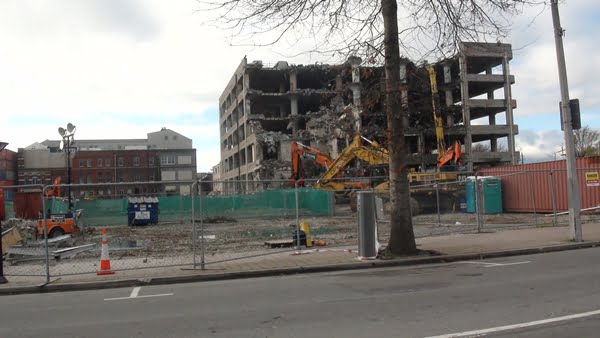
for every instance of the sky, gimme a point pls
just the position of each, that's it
(124, 68)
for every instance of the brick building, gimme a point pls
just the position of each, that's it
(165, 157)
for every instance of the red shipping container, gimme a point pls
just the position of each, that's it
(531, 187)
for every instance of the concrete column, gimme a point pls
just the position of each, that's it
(282, 110)
(339, 84)
(448, 92)
(492, 117)
(293, 81)
(509, 110)
(294, 113)
(356, 90)
(464, 89)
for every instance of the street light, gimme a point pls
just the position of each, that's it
(68, 138)
(2, 278)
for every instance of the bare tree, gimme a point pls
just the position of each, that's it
(587, 142)
(430, 29)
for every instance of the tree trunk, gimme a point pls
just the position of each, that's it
(402, 237)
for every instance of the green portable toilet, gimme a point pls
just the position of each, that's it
(491, 195)
(470, 194)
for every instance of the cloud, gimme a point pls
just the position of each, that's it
(537, 146)
(534, 64)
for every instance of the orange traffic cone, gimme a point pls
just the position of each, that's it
(104, 260)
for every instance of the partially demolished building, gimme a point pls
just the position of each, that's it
(266, 107)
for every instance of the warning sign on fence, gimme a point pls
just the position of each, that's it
(592, 179)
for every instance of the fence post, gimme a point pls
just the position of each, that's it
(437, 197)
(202, 242)
(45, 235)
(478, 204)
(194, 238)
(297, 216)
(554, 220)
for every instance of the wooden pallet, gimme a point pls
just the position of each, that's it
(280, 243)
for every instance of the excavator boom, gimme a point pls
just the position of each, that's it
(300, 151)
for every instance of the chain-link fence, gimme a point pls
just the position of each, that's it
(201, 224)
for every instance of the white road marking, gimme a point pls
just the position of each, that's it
(135, 292)
(517, 326)
(493, 265)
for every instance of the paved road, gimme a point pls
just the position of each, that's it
(397, 302)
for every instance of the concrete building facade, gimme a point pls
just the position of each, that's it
(263, 108)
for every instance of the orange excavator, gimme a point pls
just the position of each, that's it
(55, 192)
(300, 152)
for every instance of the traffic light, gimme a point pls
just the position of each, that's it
(575, 115)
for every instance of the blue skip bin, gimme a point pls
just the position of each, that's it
(142, 210)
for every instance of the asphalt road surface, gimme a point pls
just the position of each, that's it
(547, 295)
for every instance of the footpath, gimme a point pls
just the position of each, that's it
(449, 248)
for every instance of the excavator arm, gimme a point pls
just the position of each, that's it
(452, 154)
(360, 148)
(301, 151)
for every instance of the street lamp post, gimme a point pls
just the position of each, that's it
(68, 136)
(2, 278)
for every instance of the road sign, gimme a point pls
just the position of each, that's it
(592, 179)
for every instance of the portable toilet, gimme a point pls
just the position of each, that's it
(491, 194)
(142, 210)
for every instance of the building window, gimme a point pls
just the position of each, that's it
(136, 161)
(174, 137)
(99, 178)
(99, 163)
(120, 161)
(120, 179)
(151, 161)
(136, 178)
(89, 163)
(166, 138)
(35, 180)
(167, 160)
(108, 179)
(151, 178)
(107, 162)
(80, 163)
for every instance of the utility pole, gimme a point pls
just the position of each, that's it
(572, 185)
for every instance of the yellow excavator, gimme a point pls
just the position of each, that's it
(451, 156)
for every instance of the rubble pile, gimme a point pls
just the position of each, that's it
(27, 228)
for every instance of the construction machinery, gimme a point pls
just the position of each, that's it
(375, 155)
(60, 224)
(300, 152)
(54, 192)
(451, 157)
(360, 148)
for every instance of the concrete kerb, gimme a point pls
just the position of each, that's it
(83, 286)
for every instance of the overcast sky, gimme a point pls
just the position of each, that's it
(124, 68)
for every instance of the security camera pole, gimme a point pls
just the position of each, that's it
(572, 185)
